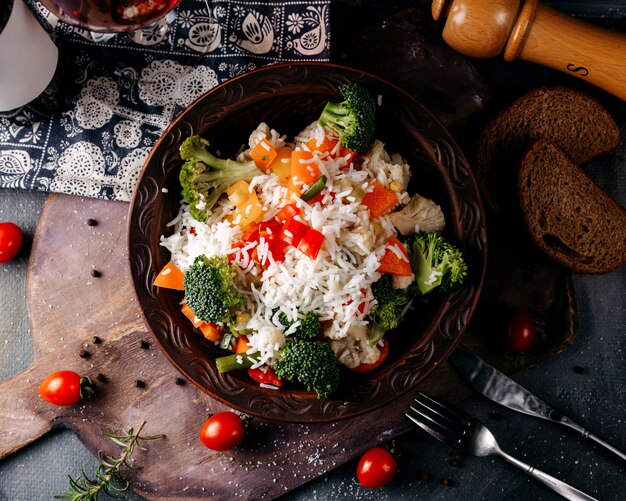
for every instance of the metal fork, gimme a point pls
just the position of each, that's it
(464, 432)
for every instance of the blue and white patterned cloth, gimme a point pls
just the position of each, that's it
(113, 95)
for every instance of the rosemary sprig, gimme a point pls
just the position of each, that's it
(108, 479)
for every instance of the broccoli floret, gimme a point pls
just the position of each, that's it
(436, 262)
(387, 312)
(204, 177)
(311, 364)
(353, 118)
(309, 324)
(209, 289)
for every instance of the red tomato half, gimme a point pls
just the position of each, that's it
(222, 431)
(376, 468)
(10, 241)
(520, 330)
(61, 388)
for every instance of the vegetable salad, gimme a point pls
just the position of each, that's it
(301, 256)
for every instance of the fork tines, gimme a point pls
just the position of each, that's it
(440, 420)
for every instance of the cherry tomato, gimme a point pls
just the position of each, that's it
(65, 388)
(376, 468)
(365, 368)
(10, 241)
(520, 330)
(222, 431)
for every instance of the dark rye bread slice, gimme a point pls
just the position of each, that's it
(568, 215)
(574, 121)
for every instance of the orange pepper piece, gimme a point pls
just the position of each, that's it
(170, 277)
(191, 315)
(242, 344)
(379, 200)
(263, 154)
(304, 170)
(391, 263)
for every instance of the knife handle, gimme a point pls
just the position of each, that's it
(587, 434)
(565, 490)
(604, 444)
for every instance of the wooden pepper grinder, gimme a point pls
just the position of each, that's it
(531, 31)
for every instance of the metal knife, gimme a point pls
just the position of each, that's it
(501, 389)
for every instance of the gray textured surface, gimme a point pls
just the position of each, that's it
(595, 398)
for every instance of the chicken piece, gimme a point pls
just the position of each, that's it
(420, 214)
(400, 282)
(354, 349)
(261, 132)
(394, 170)
(360, 237)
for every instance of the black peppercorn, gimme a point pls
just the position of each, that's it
(180, 381)
(102, 378)
(495, 415)
(140, 384)
(144, 345)
(579, 370)
(95, 273)
(96, 340)
(92, 222)
(84, 354)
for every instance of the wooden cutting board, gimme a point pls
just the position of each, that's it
(68, 307)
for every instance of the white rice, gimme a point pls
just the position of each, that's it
(333, 285)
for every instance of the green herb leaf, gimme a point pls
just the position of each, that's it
(108, 479)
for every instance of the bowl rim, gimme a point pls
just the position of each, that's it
(481, 218)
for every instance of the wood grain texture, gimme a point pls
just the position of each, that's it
(534, 32)
(68, 307)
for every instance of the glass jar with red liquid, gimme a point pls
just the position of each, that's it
(110, 16)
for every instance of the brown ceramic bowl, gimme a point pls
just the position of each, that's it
(288, 97)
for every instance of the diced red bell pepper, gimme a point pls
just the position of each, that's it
(348, 155)
(264, 229)
(325, 148)
(391, 263)
(270, 229)
(233, 256)
(252, 233)
(363, 306)
(293, 231)
(287, 212)
(265, 375)
(311, 243)
(379, 200)
(275, 247)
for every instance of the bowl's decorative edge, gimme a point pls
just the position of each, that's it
(145, 222)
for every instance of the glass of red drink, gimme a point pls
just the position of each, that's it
(110, 16)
